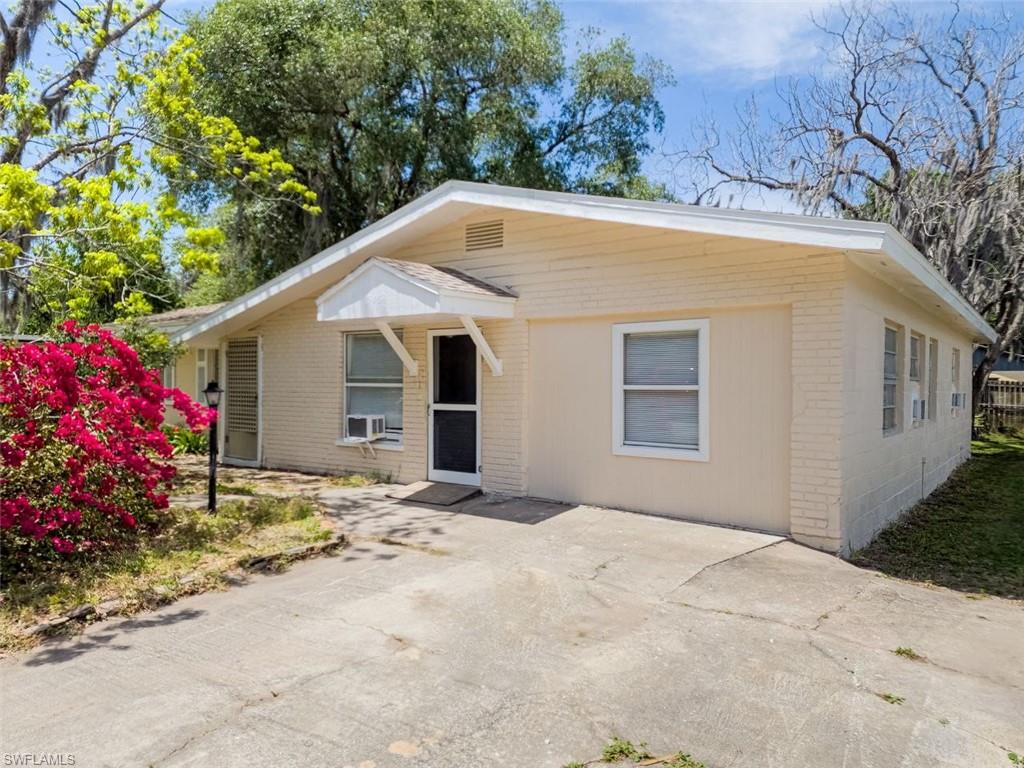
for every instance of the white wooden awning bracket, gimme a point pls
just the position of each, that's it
(481, 344)
(396, 344)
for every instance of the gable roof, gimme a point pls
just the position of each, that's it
(456, 199)
(383, 289)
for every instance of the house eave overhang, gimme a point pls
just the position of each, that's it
(456, 199)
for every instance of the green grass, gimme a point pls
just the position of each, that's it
(355, 480)
(619, 749)
(193, 553)
(908, 653)
(236, 489)
(969, 534)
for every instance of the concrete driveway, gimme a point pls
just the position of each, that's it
(526, 637)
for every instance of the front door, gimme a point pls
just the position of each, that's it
(453, 443)
(241, 401)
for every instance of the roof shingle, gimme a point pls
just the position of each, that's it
(447, 278)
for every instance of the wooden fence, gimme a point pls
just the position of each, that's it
(1002, 404)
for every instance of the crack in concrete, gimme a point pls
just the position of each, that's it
(816, 629)
(216, 726)
(840, 608)
(717, 563)
(598, 568)
(248, 703)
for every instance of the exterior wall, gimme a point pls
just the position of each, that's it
(185, 374)
(303, 379)
(745, 482)
(882, 474)
(582, 269)
(562, 269)
(185, 380)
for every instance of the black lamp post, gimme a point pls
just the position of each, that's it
(212, 395)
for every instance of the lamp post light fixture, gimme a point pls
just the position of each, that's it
(212, 395)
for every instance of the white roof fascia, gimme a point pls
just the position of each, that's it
(901, 251)
(321, 261)
(824, 232)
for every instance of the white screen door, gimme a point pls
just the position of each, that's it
(453, 441)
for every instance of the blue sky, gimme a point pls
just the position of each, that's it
(720, 53)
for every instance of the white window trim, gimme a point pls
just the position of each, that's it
(393, 441)
(902, 350)
(619, 446)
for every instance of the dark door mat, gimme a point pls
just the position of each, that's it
(439, 494)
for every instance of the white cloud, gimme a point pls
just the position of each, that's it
(757, 39)
(736, 39)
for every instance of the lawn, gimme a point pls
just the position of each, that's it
(969, 534)
(194, 552)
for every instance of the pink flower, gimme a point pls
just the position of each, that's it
(81, 423)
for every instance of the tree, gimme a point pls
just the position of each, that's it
(99, 131)
(917, 123)
(376, 102)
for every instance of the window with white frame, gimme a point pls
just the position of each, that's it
(915, 374)
(207, 368)
(891, 374)
(954, 373)
(660, 385)
(915, 357)
(933, 379)
(167, 376)
(373, 382)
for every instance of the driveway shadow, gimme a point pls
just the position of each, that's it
(59, 650)
(524, 511)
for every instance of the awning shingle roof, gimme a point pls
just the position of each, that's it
(446, 278)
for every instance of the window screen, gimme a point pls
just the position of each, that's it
(661, 389)
(890, 379)
(373, 380)
(933, 378)
(915, 357)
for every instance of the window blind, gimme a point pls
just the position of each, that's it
(662, 418)
(660, 397)
(661, 358)
(373, 379)
(371, 359)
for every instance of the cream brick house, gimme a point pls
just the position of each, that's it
(801, 375)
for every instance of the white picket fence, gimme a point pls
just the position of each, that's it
(1002, 404)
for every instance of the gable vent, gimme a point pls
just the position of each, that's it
(485, 234)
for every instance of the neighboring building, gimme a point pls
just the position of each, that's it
(1010, 362)
(198, 365)
(807, 376)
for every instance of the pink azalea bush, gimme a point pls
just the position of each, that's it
(82, 454)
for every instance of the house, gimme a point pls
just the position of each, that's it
(197, 365)
(807, 376)
(1009, 365)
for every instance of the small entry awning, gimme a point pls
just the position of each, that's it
(381, 291)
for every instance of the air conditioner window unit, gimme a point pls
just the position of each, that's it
(365, 426)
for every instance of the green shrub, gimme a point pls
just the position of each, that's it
(185, 441)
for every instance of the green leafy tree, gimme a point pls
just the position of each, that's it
(376, 102)
(99, 134)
